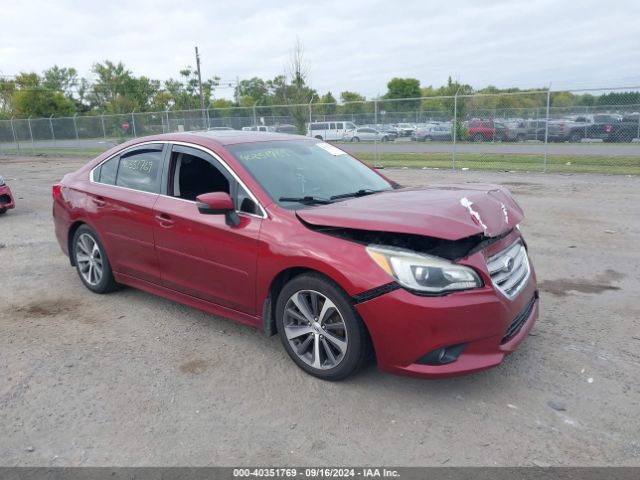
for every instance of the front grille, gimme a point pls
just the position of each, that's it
(518, 322)
(510, 269)
(4, 199)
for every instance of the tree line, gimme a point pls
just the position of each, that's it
(60, 91)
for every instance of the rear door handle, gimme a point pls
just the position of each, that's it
(164, 220)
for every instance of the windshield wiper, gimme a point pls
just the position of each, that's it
(308, 200)
(359, 193)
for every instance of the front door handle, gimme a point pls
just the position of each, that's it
(99, 201)
(164, 220)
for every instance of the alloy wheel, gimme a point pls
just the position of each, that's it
(89, 259)
(315, 329)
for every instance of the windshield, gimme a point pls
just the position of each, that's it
(301, 170)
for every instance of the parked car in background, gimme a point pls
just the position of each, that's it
(614, 129)
(366, 134)
(405, 129)
(259, 128)
(285, 128)
(486, 131)
(295, 237)
(220, 128)
(598, 126)
(433, 132)
(329, 130)
(390, 131)
(6, 197)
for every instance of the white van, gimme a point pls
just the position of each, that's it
(329, 130)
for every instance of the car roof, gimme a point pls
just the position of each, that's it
(222, 137)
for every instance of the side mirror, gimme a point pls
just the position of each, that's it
(218, 203)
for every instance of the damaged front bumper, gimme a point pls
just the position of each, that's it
(449, 335)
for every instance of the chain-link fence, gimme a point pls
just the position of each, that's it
(586, 130)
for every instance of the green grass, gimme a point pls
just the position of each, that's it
(56, 152)
(618, 165)
(520, 162)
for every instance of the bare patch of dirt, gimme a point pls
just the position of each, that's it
(194, 367)
(47, 308)
(562, 286)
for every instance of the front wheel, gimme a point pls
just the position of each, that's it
(319, 328)
(355, 139)
(3, 211)
(91, 261)
(478, 137)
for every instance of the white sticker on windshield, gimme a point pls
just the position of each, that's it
(330, 148)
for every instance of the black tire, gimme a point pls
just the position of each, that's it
(355, 139)
(319, 137)
(106, 282)
(575, 137)
(385, 139)
(478, 137)
(3, 211)
(428, 138)
(355, 333)
(521, 137)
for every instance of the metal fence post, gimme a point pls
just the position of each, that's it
(255, 118)
(455, 128)
(133, 124)
(104, 130)
(53, 135)
(75, 127)
(31, 134)
(15, 139)
(546, 131)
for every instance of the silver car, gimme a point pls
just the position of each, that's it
(367, 134)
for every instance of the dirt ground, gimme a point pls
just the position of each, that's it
(132, 379)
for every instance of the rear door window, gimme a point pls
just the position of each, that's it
(140, 169)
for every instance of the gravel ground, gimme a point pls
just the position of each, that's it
(132, 379)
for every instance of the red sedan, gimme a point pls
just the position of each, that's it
(297, 238)
(6, 198)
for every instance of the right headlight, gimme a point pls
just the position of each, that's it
(423, 273)
(1, 181)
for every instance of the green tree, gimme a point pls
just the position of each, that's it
(328, 104)
(352, 103)
(399, 88)
(31, 98)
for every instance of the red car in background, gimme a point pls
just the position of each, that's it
(486, 131)
(293, 236)
(6, 198)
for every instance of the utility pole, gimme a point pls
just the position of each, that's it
(200, 86)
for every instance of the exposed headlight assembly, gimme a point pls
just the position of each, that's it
(423, 273)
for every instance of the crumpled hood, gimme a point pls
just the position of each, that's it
(450, 212)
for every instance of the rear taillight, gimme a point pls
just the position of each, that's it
(562, 127)
(56, 190)
(608, 128)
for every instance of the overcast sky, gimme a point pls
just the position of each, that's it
(349, 45)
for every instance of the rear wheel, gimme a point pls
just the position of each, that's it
(355, 139)
(91, 261)
(319, 137)
(575, 137)
(319, 328)
(478, 137)
(521, 137)
(3, 211)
